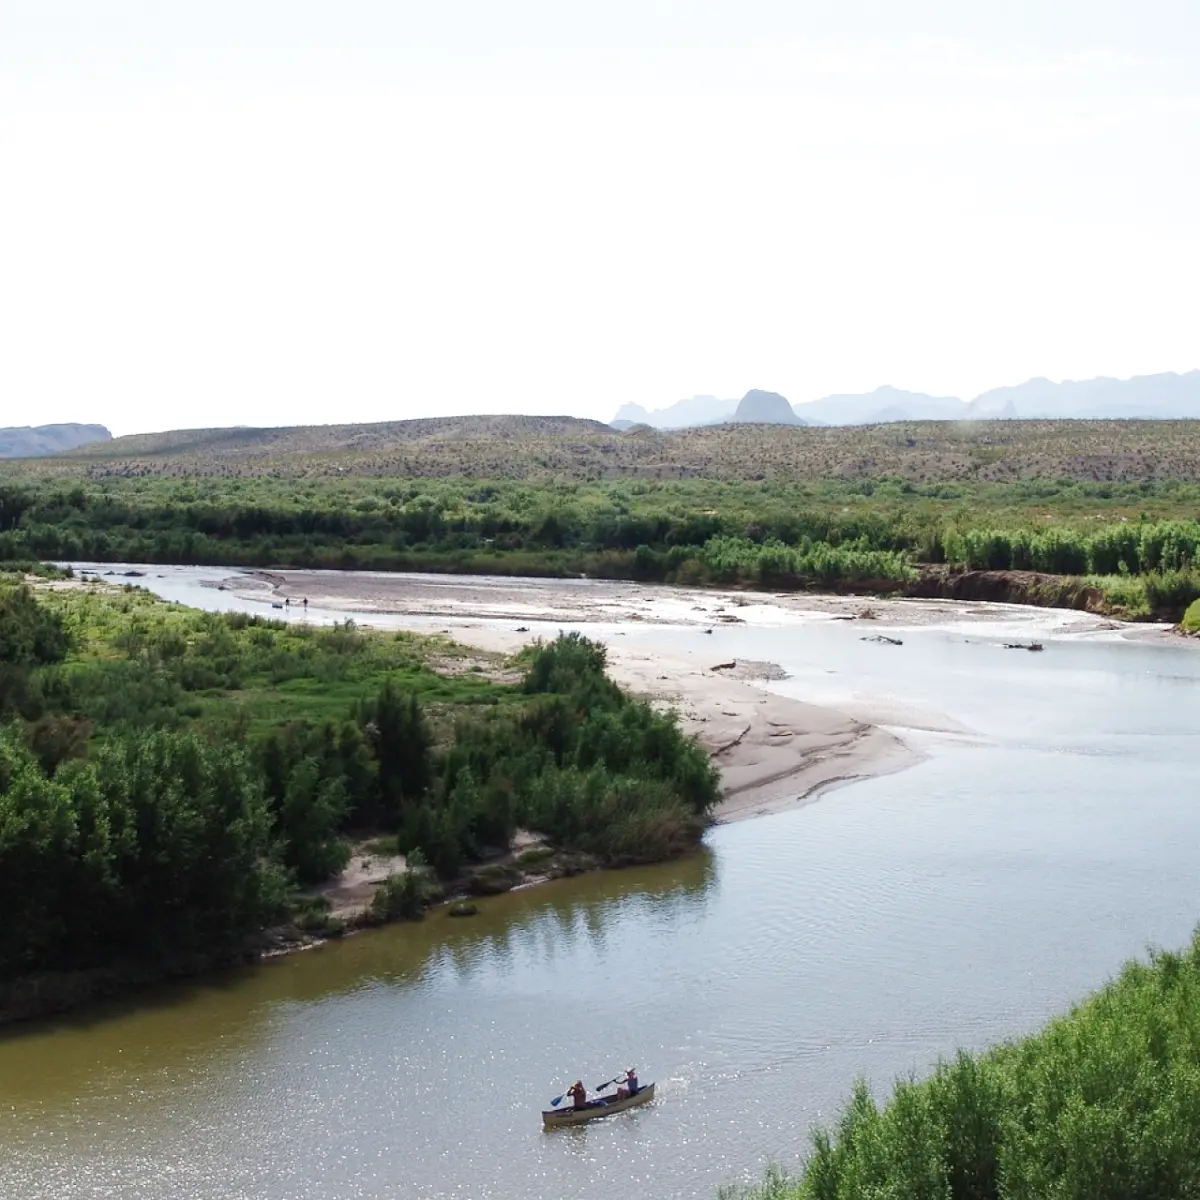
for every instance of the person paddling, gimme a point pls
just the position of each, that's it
(578, 1094)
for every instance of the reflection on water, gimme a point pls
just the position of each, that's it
(49, 1063)
(954, 904)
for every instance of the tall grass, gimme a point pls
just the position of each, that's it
(1103, 1104)
(1161, 594)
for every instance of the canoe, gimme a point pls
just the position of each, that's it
(569, 1115)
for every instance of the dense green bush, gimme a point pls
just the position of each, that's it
(405, 895)
(1171, 591)
(30, 635)
(165, 786)
(777, 564)
(1145, 548)
(581, 762)
(1102, 1105)
(157, 847)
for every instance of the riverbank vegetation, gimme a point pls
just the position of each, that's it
(1125, 547)
(169, 778)
(1103, 1104)
(1191, 618)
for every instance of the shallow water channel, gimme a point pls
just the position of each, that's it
(1051, 832)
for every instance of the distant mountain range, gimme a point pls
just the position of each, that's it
(699, 410)
(1151, 397)
(36, 441)
(1167, 396)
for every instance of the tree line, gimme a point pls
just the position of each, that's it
(687, 531)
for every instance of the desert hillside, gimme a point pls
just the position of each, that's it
(517, 447)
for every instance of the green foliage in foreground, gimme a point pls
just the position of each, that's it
(1191, 618)
(168, 776)
(1104, 1104)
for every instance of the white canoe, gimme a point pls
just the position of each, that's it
(553, 1118)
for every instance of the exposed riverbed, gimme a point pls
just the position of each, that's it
(1048, 831)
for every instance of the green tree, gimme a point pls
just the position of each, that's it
(30, 635)
(38, 842)
(194, 875)
(310, 816)
(398, 734)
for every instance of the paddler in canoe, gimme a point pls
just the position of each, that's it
(630, 1092)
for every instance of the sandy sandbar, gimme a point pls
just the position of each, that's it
(773, 751)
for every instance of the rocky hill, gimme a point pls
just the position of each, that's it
(35, 441)
(757, 407)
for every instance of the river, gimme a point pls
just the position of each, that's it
(1050, 832)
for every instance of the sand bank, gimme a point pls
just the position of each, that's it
(772, 751)
(599, 601)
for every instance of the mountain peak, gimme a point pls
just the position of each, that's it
(765, 408)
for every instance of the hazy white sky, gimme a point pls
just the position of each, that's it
(219, 212)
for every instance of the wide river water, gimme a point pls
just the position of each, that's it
(1050, 833)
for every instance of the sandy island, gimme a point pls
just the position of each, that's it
(773, 752)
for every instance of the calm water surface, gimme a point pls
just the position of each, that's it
(1051, 833)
